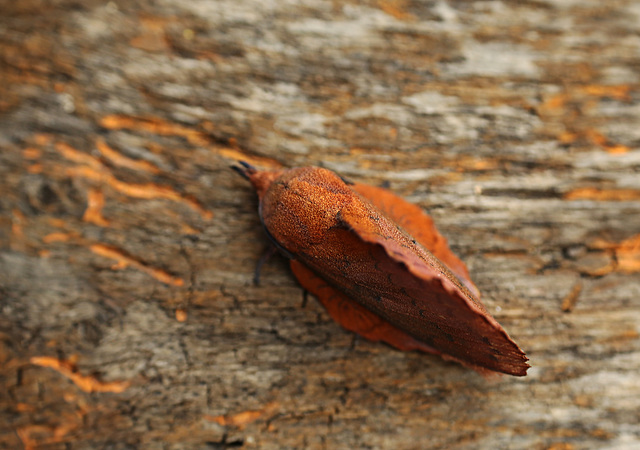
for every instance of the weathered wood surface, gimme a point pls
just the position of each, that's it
(128, 314)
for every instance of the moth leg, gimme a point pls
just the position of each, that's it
(271, 250)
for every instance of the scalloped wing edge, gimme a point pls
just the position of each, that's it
(437, 274)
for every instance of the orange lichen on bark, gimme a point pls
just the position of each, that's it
(17, 223)
(162, 127)
(471, 163)
(93, 169)
(581, 93)
(144, 191)
(608, 195)
(599, 139)
(555, 104)
(31, 153)
(396, 9)
(43, 139)
(569, 302)
(87, 383)
(24, 407)
(34, 436)
(35, 168)
(242, 418)
(561, 446)
(154, 125)
(95, 203)
(59, 237)
(119, 159)
(567, 137)
(619, 92)
(181, 315)
(41, 436)
(56, 222)
(153, 36)
(124, 260)
(77, 156)
(561, 108)
(628, 255)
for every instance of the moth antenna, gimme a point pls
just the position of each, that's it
(245, 171)
(247, 165)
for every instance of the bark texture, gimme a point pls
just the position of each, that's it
(128, 317)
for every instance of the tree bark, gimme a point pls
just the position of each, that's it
(128, 316)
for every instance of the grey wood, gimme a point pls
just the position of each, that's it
(514, 124)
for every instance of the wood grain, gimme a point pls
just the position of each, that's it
(128, 245)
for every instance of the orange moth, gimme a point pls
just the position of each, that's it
(380, 267)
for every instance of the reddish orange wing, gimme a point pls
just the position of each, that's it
(378, 280)
(353, 316)
(349, 313)
(419, 225)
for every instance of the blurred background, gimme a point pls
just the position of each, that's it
(128, 316)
